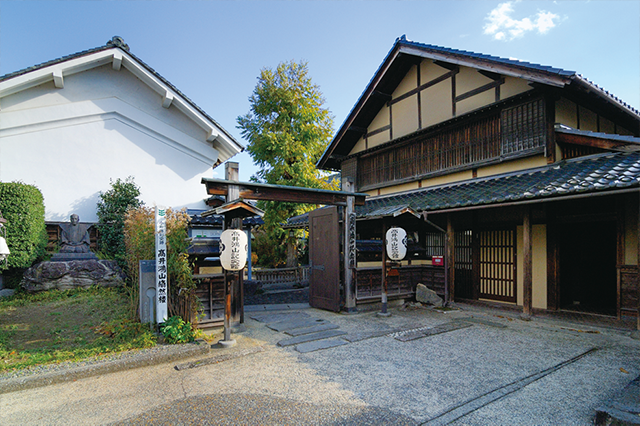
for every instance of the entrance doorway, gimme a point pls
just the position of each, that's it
(587, 267)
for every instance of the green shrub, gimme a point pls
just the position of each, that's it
(22, 206)
(175, 330)
(140, 244)
(112, 207)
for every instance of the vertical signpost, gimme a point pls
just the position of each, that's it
(162, 282)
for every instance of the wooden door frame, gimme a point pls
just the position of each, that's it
(332, 253)
(553, 251)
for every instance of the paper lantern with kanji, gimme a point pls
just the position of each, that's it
(233, 249)
(396, 243)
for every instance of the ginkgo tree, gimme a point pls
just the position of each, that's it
(287, 130)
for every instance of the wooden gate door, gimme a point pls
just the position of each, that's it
(324, 259)
(498, 265)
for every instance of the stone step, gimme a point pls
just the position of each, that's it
(271, 318)
(311, 337)
(296, 323)
(419, 333)
(314, 329)
(320, 344)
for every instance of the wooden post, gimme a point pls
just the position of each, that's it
(349, 247)
(232, 284)
(449, 264)
(527, 270)
(383, 311)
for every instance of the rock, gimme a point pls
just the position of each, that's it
(427, 296)
(73, 274)
(7, 292)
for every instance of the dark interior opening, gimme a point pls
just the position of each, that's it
(587, 266)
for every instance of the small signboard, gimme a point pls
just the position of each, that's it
(233, 249)
(437, 260)
(162, 282)
(396, 240)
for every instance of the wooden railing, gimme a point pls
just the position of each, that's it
(299, 275)
(369, 281)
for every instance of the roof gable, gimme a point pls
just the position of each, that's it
(116, 53)
(405, 54)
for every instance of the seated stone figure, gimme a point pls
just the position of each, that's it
(74, 237)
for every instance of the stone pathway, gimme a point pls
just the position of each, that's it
(310, 334)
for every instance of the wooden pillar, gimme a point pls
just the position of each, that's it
(449, 263)
(234, 294)
(349, 250)
(475, 257)
(527, 265)
(383, 310)
(292, 252)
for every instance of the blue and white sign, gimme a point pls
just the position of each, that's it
(233, 249)
(396, 240)
(162, 280)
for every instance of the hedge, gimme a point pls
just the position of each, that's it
(22, 206)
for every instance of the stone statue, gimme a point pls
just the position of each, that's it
(74, 237)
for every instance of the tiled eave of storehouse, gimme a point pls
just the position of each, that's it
(596, 174)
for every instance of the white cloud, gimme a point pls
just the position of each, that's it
(502, 26)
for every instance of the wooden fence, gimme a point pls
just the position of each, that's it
(369, 282)
(299, 275)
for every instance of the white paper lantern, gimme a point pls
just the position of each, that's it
(396, 240)
(4, 249)
(233, 249)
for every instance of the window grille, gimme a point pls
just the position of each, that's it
(523, 127)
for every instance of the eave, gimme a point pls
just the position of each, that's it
(56, 71)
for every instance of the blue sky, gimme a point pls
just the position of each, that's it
(213, 51)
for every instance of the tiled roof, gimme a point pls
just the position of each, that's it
(481, 56)
(593, 174)
(216, 220)
(578, 78)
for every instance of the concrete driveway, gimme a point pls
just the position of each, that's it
(467, 367)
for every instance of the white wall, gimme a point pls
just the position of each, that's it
(102, 125)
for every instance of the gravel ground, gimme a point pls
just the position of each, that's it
(374, 381)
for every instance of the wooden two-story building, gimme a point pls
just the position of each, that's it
(526, 178)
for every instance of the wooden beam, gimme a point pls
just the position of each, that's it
(261, 191)
(492, 75)
(479, 90)
(424, 86)
(596, 142)
(356, 129)
(527, 269)
(446, 65)
(379, 95)
(550, 119)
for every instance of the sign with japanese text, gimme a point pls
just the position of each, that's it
(162, 281)
(233, 249)
(396, 240)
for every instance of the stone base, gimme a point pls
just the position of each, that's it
(73, 274)
(227, 343)
(69, 257)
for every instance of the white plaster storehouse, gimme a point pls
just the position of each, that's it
(71, 125)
